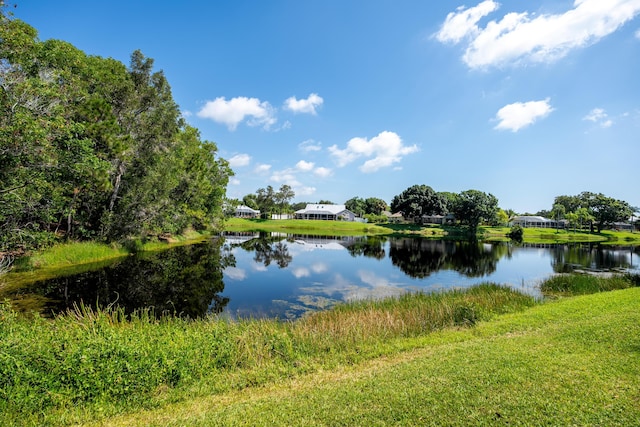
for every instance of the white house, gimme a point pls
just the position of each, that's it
(326, 212)
(537, 221)
(243, 211)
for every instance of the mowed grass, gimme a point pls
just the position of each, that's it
(570, 362)
(297, 226)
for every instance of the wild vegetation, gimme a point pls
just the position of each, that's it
(91, 365)
(93, 149)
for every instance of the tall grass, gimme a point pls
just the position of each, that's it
(69, 254)
(103, 363)
(581, 284)
(408, 315)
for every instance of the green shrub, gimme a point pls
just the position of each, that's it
(516, 233)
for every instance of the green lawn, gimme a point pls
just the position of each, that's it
(297, 226)
(571, 362)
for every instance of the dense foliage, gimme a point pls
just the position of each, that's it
(472, 207)
(268, 201)
(90, 148)
(368, 206)
(596, 209)
(419, 200)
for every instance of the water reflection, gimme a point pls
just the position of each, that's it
(286, 276)
(420, 258)
(591, 257)
(184, 281)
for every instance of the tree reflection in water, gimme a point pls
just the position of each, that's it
(370, 247)
(267, 249)
(184, 281)
(590, 257)
(419, 258)
(306, 273)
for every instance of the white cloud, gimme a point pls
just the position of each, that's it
(319, 267)
(310, 145)
(595, 115)
(285, 177)
(383, 150)
(599, 116)
(301, 272)
(234, 181)
(236, 110)
(637, 33)
(304, 166)
(239, 160)
(304, 191)
(235, 273)
(521, 114)
(308, 105)
(322, 172)
(262, 169)
(524, 37)
(462, 23)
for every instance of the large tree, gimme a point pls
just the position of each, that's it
(606, 210)
(356, 205)
(418, 200)
(596, 208)
(374, 206)
(90, 148)
(473, 206)
(283, 196)
(368, 206)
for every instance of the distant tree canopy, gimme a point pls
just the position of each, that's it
(369, 206)
(269, 201)
(596, 208)
(419, 200)
(472, 207)
(90, 148)
(469, 207)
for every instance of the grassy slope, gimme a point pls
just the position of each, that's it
(570, 362)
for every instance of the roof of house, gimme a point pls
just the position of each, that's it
(530, 218)
(243, 208)
(322, 209)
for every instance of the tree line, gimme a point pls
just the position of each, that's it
(93, 149)
(470, 207)
(594, 209)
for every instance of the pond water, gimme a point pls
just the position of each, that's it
(280, 276)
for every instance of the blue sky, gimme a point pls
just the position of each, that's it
(524, 100)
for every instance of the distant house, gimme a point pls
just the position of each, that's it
(438, 219)
(622, 226)
(537, 221)
(393, 218)
(282, 216)
(243, 211)
(326, 212)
